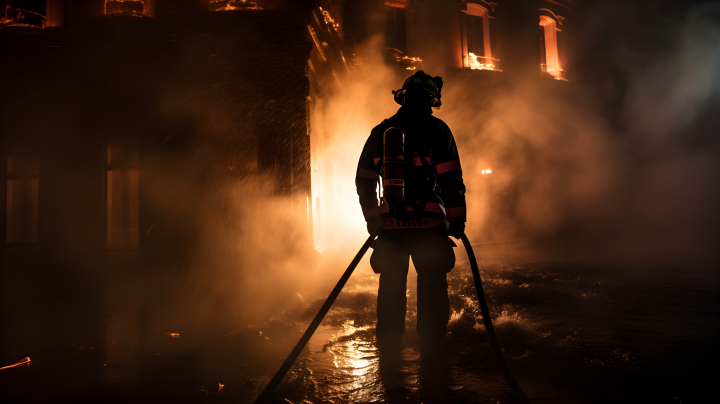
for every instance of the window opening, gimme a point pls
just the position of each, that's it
(396, 28)
(396, 34)
(477, 45)
(23, 200)
(549, 53)
(123, 210)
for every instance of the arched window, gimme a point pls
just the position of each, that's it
(477, 48)
(549, 53)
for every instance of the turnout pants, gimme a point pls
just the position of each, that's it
(433, 256)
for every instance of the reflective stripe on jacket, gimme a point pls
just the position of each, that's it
(430, 148)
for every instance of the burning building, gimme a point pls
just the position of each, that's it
(125, 122)
(485, 45)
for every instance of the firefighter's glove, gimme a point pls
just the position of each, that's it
(372, 223)
(456, 230)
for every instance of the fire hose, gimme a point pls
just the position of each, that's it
(514, 385)
(275, 381)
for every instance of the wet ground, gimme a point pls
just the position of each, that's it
(572, 333)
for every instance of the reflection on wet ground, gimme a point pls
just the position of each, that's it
(571, 333)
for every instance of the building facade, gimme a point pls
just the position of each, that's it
(126, 123)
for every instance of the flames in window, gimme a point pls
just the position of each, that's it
(22, 18)
(480, 62)
(227, 5)
(130, 7)
(550, 54)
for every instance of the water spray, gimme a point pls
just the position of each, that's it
(514, 385)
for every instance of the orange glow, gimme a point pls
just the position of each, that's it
(409, 59)
(554, 71)
(25, 361)
(229, 5)
(318, 46)
(411, 62)
(350, 355)
(552, 57)
(397, 3)
(220, 387)
(329, 20)
(484, 63)
(173, 334)
(484, 167)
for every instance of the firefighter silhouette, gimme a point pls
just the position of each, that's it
(414, 156)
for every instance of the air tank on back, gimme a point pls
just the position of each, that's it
(393, 166)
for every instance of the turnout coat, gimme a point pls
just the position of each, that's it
(434, 189)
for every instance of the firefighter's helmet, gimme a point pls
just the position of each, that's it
(424, 82)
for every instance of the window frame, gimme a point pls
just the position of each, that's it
(476, 10)
(551, 56)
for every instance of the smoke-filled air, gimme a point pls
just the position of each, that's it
(592, 200)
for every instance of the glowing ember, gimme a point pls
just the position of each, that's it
(409, 59)
(484, 63)
(329, 20)
(229, 5)
(411, 63)
(220, 387)
(25, 361)
(173, 334)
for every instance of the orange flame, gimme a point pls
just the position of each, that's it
(24, 361)
(554, 71)
(230, 5)
(397, 3)
(472, 62)
(173, 334)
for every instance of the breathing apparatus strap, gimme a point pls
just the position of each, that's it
(417, 207)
